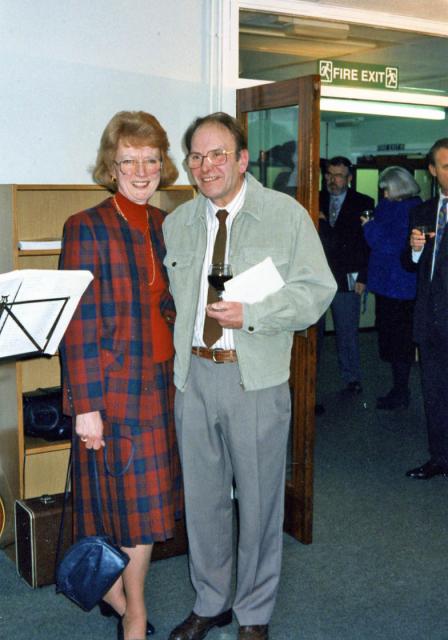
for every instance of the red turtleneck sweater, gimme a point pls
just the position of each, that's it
(137, 217)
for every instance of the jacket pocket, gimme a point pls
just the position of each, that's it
(178, 260)
(112, 358)
(180, 266)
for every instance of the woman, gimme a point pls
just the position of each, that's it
(117, 359)
(394, 288)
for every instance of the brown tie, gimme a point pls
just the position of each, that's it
(212, 329)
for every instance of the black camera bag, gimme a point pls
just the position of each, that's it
(43, 417)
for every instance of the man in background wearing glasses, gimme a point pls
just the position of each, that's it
(347, 253)
(232, 397)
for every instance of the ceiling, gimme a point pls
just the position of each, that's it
(276, 47)
(415, 8)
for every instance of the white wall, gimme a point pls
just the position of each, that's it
(335, 141)
(67, 66)
(417, 135)
(365, 134)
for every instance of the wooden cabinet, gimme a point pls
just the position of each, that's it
(30, 467)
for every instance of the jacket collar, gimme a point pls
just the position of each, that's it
(252, 203)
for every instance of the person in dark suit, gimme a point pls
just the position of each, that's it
(347, 253)
(429, 252)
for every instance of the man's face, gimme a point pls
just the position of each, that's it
(338, 179)
(440, 169)
(219, 183)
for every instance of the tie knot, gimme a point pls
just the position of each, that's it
(222, 215)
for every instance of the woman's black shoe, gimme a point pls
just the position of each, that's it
(109, 612)
(395, 399)
(120, 630)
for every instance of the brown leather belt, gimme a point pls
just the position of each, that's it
(217, 355)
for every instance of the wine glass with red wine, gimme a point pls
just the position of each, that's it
(218, 274)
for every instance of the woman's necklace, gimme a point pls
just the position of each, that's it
(120, 212)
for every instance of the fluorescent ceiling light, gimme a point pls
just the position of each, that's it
(371, 107)
(383, 95)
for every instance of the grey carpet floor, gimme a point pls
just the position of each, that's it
(377, 567)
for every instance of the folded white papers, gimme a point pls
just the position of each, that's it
(254, 284)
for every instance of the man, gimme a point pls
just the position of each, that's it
(232, 398)
(431, 312)
(347, 253)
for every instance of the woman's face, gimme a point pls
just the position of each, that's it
(137, 171)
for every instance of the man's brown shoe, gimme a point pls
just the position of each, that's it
(196, 627)
(253, 632)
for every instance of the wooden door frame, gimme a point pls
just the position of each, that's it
(304, 92)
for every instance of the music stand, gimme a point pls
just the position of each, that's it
(36, 306)
(6, 307)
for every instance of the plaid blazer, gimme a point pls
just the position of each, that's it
(107, 349)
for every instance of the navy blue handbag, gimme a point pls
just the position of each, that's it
(93, 564)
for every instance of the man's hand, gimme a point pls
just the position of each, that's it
(89, 427)
(228, 314)
(360, 287)
(418, 239)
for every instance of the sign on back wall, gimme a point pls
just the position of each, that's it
(358, 74)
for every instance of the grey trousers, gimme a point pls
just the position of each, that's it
(225, 434)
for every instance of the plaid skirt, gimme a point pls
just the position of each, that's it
(139, 504)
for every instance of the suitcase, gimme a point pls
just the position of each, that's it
(37, 523)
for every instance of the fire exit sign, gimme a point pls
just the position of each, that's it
(358, 74)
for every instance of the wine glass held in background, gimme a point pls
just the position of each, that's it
(426, 229)
(218, 274)
(366, 216)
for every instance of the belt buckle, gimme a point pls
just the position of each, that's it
(214, 358)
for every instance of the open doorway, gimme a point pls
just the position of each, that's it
(277, 46)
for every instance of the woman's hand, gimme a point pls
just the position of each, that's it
(89, 427)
